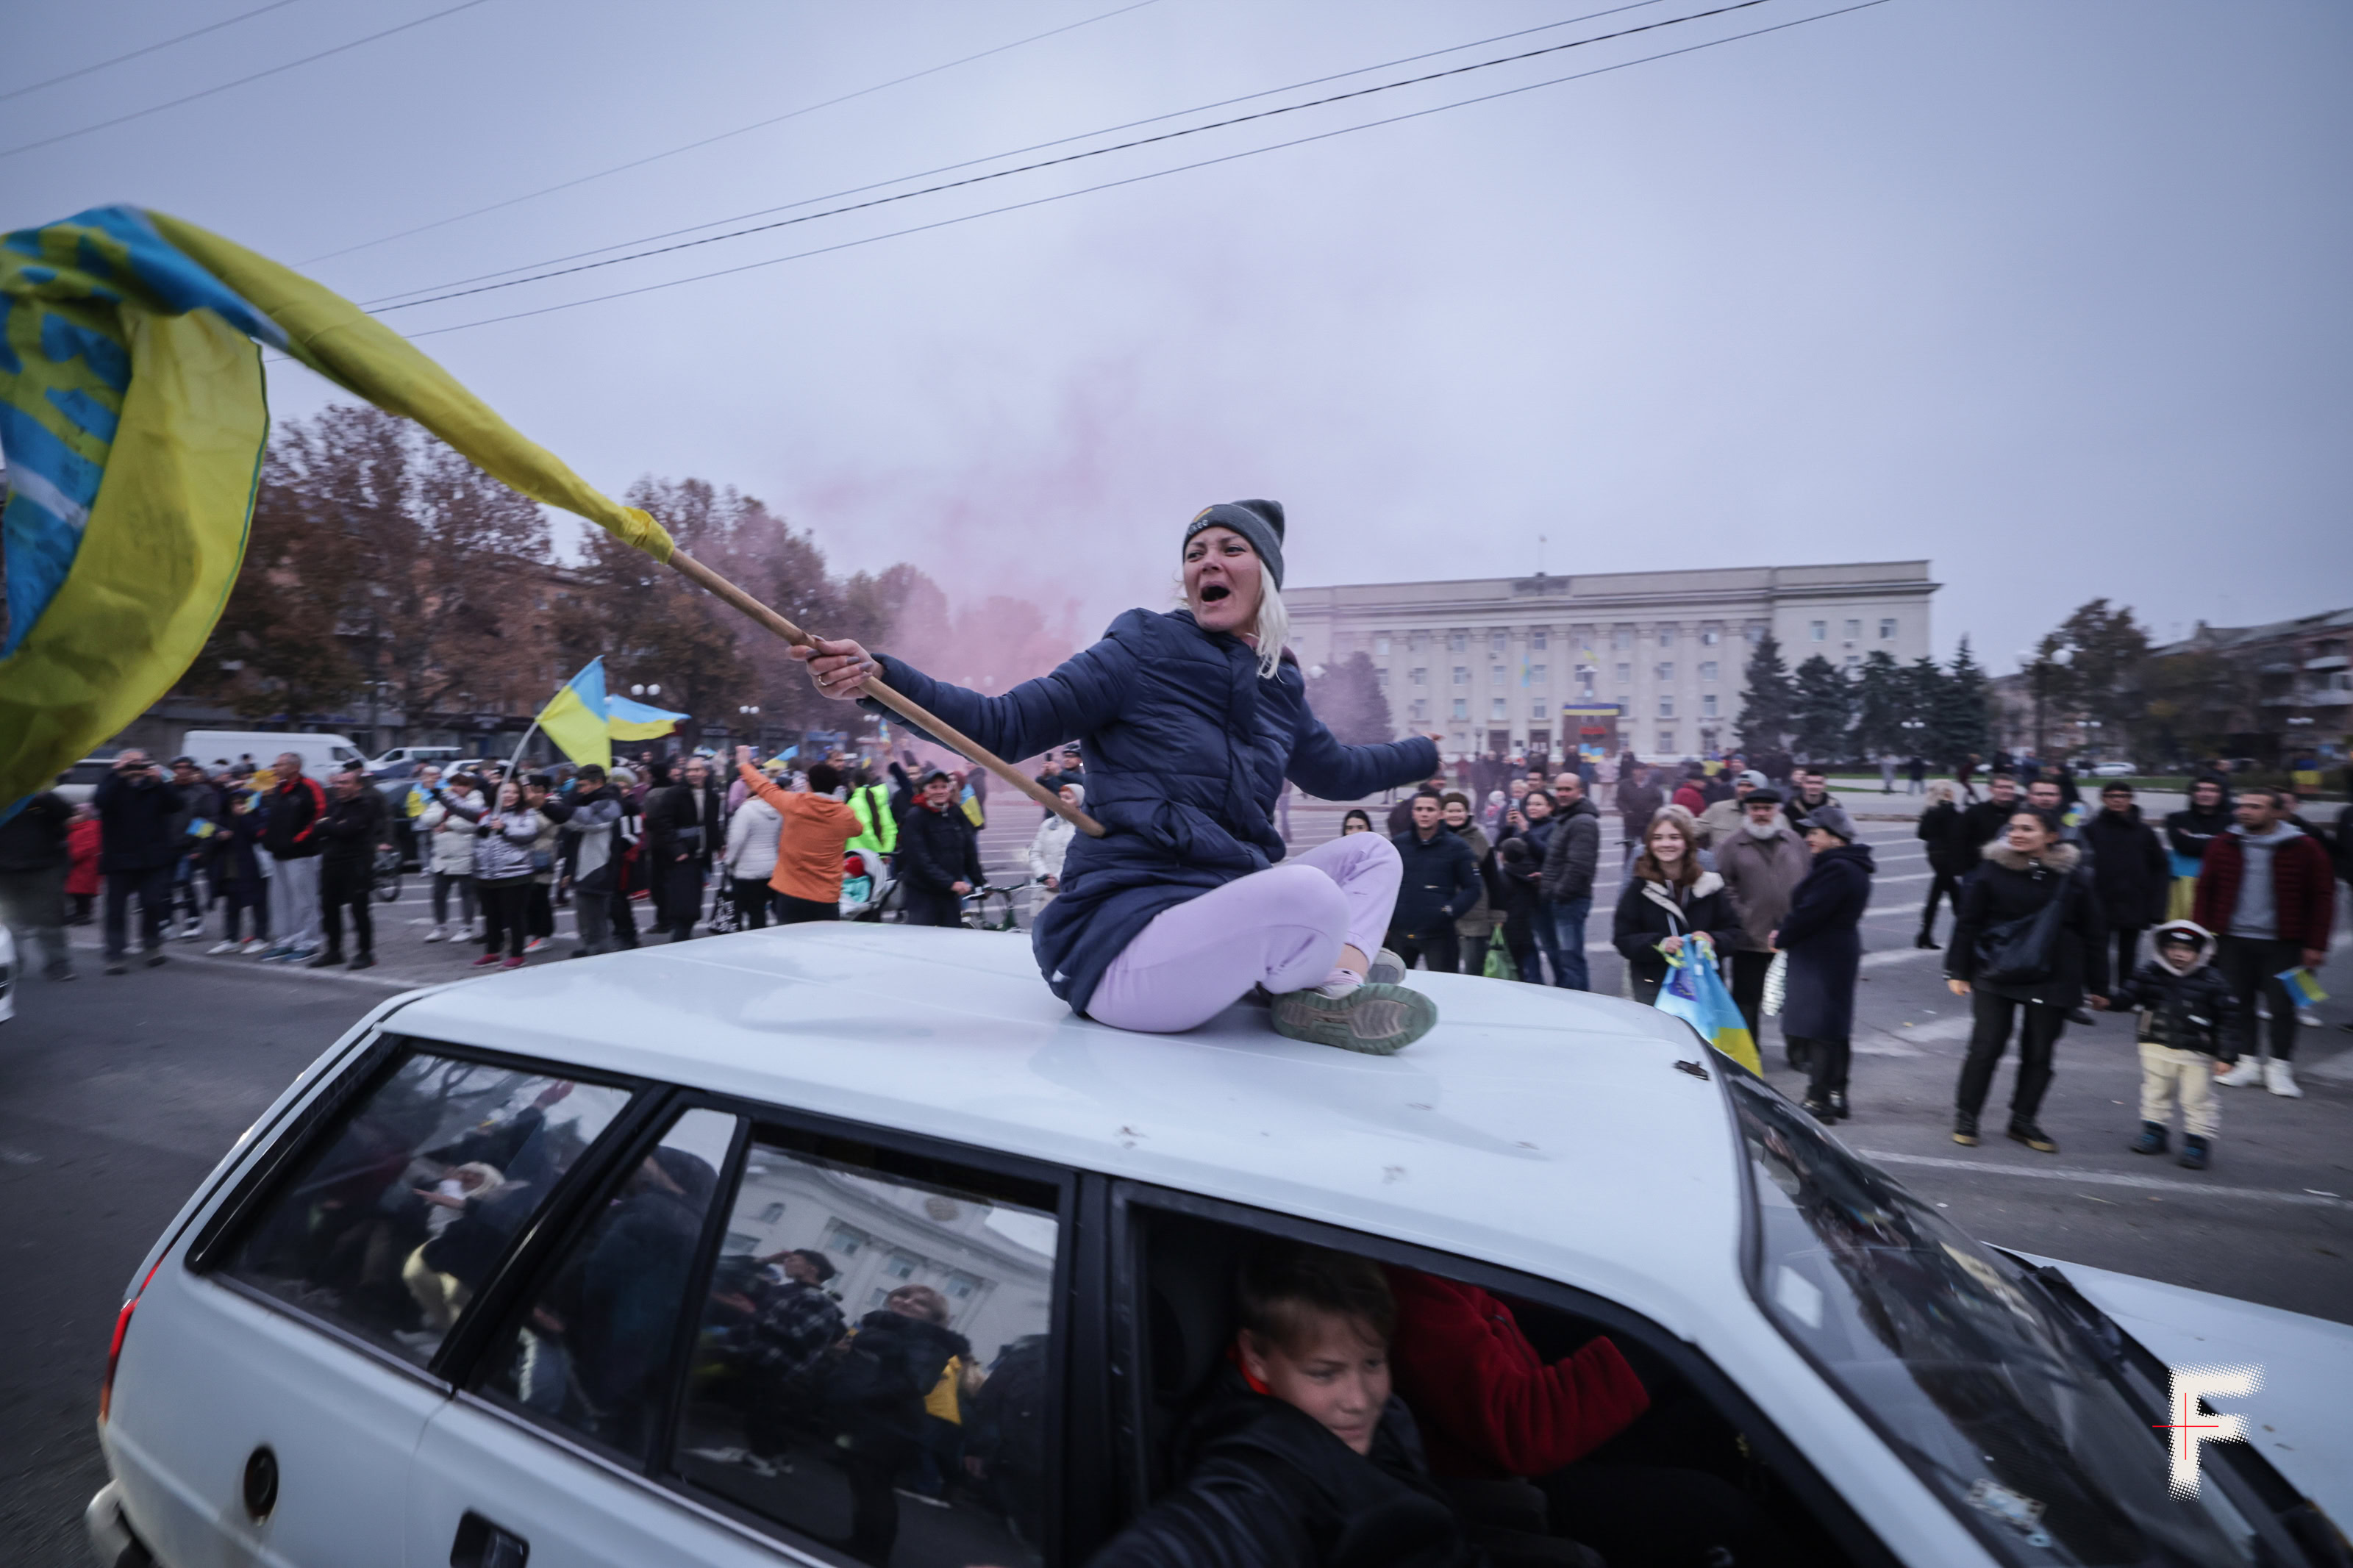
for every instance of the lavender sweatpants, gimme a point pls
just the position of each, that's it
(1282, 927)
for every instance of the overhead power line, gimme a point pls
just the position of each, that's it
(150, 48)
(1152, 175)
(1079, 157)
(241, 81)
(1014, 152)
(721, 136)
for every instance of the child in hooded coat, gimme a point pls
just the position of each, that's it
(2185, 1036)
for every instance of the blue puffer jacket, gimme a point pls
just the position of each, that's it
(1185, 748)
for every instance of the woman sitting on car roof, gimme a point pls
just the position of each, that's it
(1192, 720)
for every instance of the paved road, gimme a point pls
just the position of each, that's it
(117, 1095)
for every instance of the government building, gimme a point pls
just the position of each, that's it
(1643, 661)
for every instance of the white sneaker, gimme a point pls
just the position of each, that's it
(231, 945)
(2280, 1078)
(194, 928)
(2307, 1017)
(435, 935)
(253, 945)
(534, 944)
(2246, 1075)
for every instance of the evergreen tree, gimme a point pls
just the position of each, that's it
(1768, 703)
(1923, 697)
(1963, 724)
(1879, 706)
(1349, 699)
(1824, 711)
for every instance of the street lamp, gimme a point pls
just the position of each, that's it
(654, 691)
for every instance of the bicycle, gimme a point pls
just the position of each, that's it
(976, 913)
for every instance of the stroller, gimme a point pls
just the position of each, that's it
(866, 885)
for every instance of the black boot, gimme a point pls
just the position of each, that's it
(1965, 1128)
(2152, 1139)
(2194, 1151)
(1797, 1055)
(326, 960)
(1838, 1104)
(1820, 1109)
(1922, 940)
(2024, 1130)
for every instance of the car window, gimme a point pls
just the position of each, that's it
(399, 1215)
(1961, 1361)
(873, 1366)
(592, 1351)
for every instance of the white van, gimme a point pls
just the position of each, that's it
(319, 753)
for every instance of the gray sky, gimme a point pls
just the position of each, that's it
(2053, 294)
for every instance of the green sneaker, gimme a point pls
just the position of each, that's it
(1386, 969)
(1378, 1020)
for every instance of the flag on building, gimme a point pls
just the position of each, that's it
(132, 421)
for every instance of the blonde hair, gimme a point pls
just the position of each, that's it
(1942, 793)
(1646, 864)
(1270, 631)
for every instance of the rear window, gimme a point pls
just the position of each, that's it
(393, 1220)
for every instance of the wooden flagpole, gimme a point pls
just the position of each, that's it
(703, 577)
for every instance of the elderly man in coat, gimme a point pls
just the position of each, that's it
(1822, 934)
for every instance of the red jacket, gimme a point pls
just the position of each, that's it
(2304, 887)
(81, 850)
(1487, 1403)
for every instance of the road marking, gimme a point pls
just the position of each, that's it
(2105, 1179)
(9, 1156)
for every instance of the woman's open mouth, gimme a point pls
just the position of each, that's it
(1211, 594)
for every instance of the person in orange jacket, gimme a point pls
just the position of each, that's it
(807, 877)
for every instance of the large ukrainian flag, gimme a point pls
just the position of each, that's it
(133, 420)
(576, 718)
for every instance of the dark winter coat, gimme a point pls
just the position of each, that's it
(351, 829)
(1637, 803)
(1982, 823)
(1822, 934)
(876, 1391)
(1940, 829)
(35, 838)
(2187, 832)
(1645, 919)
(1572, 852)
(671, 813)
(2008, 885)
(2189, 1010)
(139, 822)
(2304, 887)
(1267, 1486)
(940, 848)
(237, 858)
(2129, 867)
(1186, 746)
(1441, 881)
(294, 807)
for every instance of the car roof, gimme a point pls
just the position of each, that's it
(1537, 1129)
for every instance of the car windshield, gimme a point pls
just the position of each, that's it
(1962, 1362)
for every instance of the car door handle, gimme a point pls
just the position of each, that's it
(482, 1544)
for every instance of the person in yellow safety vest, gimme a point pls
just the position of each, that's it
(878, 829)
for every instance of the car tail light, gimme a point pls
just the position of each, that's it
(115, 1350)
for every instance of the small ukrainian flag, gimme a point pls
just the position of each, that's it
(576, 718)
(2303, 985)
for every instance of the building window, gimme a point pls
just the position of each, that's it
(1886, 628)
(1711, 636)
(1498, 641)
(1539, 709)
(1623, 636)
(1381, 677)
(1819, 631)
(1707, 706)
(1421, 676)
(1461, 675)
(1539, 640)
(1584, 691)
(1497, 710)
(1754, 634)
(1854, 663)
(1625, 674)
(1456, 642)
(1462, 708)
(1497, 674)
(1666, 706)
(844, 1242)
(898, 1266)
(1666, 636)
(1853, 630)
(1537, 674)
(1420, 708)
(1666, 669)
(1707, 670)
(1381, 645)
(1667, 741)
(772, 1213)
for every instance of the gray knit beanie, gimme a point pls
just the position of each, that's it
(1260, 522)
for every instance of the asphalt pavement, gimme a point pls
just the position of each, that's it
(118, 1093)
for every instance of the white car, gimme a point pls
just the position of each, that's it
(2114, 771)
(540, 1266)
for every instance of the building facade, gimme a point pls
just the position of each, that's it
(1646, 661)
(2278, 693)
